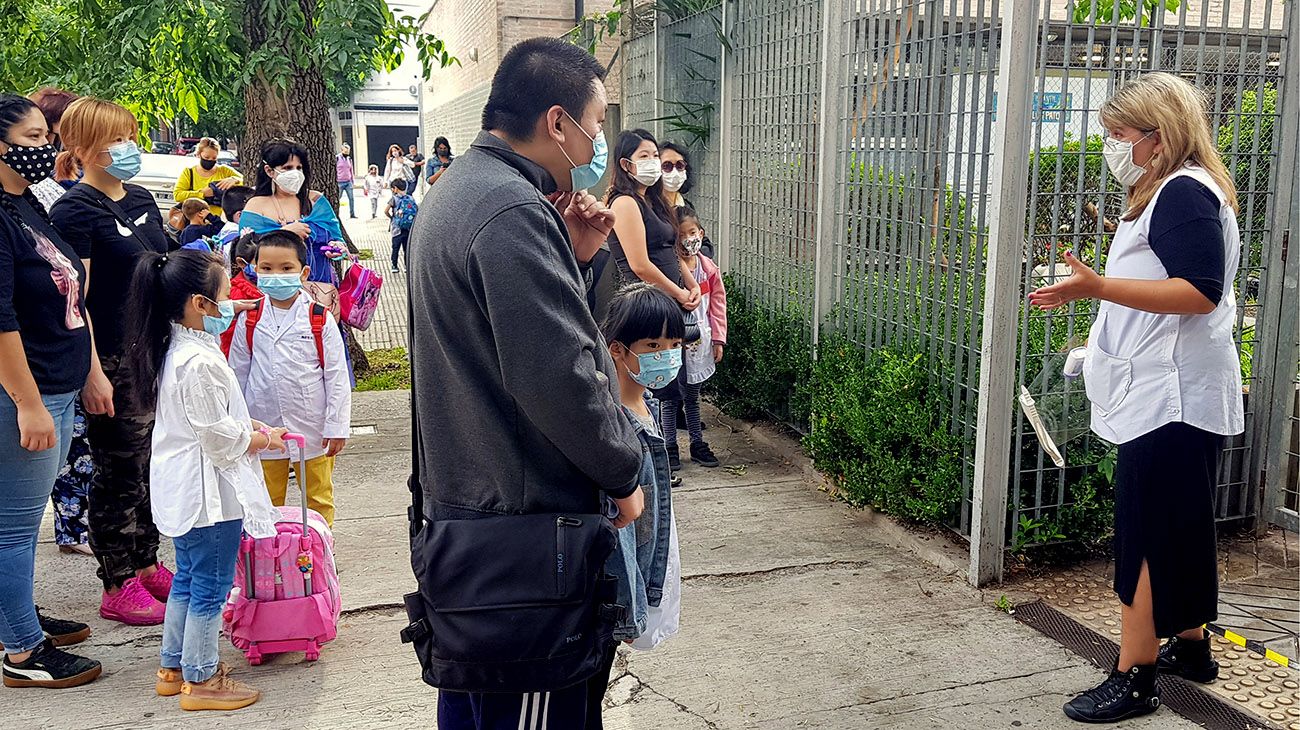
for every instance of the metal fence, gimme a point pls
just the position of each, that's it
(882, 164)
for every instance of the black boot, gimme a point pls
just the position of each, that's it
(1188, 659)
(674, 458)
(1121, 696)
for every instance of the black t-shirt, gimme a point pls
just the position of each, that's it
(1187, 236)
(417, 161)
(41, 285)
(660, 245)
(95, 233)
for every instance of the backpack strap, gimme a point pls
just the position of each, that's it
(317, 319)
(251, 319)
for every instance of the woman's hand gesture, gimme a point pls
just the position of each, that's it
(1084, 283)
(36, 427)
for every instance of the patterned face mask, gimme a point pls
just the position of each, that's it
(33, 163)
(657, 368)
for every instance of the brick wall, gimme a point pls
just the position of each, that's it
(459, 119)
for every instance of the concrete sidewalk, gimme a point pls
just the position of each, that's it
(797, 614)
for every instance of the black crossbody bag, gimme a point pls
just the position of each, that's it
(509, 603)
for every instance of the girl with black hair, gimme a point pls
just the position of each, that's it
(440, 160)
(644, 244)
(208, 489)
(44, 360)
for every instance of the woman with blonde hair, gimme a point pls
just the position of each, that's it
(1164, 379)
(109, 224)
(206, 179)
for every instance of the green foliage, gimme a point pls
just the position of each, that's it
(389, 370)
(1034, 531)
(1005, 605)
(880, 429)
(768, 361)
(1102, 12)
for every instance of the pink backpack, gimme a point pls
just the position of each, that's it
(286, 593)
(359, 296)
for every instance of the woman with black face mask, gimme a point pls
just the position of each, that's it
(207, 179)
(44, 361)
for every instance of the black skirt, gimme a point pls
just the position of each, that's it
(1165, 482)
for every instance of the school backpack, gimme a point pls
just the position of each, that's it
(404, 210)
(316, 317)
(286, 591)
(359, 296)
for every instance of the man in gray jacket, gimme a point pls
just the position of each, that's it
(517, 398)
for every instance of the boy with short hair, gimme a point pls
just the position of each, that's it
(232, 205)
(401, 209)
(289, 357)
(199, 221)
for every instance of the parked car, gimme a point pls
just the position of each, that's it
(164, 148)
(228, 158)
(158, 174)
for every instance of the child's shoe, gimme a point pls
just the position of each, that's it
(159, 583)
(674, 458)
(169, 682)
(220, 692)
(701, 454)
(133, 606)
(50, 668)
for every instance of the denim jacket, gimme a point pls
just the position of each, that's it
(641, 558)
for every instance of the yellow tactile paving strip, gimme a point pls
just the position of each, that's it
(1246, 679)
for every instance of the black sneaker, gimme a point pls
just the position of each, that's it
(701, 454)
(1121, 696)
(674, 458)
(1189, 660)
(60, 632)
(675, 481)
(50, 668)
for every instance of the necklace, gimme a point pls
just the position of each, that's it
(279, 212)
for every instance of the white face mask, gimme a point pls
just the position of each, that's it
(673, 181)
(1119, 158)
(647, 172)
(290, 181)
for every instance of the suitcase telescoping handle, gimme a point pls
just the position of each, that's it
(306, 568)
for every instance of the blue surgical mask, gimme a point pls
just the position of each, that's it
(280, 287)
(216, 326)
(586, 176)
(251, 274)
(126, 160)
(658, 368)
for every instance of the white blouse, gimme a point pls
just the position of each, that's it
(201, 472)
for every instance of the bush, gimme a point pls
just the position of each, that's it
(389, 370)
(880, 430)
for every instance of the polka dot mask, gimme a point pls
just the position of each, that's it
(33, 163)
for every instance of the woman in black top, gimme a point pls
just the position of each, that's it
(44, 358)
(110, 224)
(644, 245)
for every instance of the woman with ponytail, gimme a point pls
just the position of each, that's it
(110, 224)
(44, 360)
(208, 487)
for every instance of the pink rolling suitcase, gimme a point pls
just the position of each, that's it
(286, 592)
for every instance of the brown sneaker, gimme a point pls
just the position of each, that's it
(169, 682)
(218, 693)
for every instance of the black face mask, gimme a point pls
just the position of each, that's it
(33, 163)
(207, 164)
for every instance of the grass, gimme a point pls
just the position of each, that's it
(389, 370)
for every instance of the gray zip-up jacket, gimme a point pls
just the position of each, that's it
(517, 397)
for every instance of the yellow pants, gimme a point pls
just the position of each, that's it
(320, 483)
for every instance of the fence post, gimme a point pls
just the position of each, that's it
(829, 112)
(725, 70)
(657, 86)
(1276, 332)
(1006, 243)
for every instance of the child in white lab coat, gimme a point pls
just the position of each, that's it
(290, 359)
(374, 189)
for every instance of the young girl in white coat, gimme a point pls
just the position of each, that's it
(291, 363)
(206, 489)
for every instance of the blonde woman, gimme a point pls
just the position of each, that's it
(206, 179)
(1164, 379)
(110, 223)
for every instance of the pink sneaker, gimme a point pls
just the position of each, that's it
(159, 584)
(132, 606)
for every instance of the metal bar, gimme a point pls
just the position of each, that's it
(724, 146)
(828, 115)
(997, 377)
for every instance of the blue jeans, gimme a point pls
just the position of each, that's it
(205, 570)
(26, 480)
(345, 188)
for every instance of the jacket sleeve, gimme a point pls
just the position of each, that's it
(184, 189)
(521, 269)
(338, 386)
(717, 304)
(205, 397)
